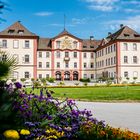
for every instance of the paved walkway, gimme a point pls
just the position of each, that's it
(124, 115)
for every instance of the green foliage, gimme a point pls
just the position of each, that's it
(61, 83)
(32, 79)
(135, 78)
(43, 80)
(7, 115)
(85, 83)
(37, 83)
(51, 79)
(85, 80)
(76, 84)
(23, 79)
(103, 79)
(13, 80)
(127, 78)
(7, 65)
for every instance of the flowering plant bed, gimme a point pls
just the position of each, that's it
(43, 117)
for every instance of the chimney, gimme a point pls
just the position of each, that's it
(109, 33)
(91, 37)
(121, 25)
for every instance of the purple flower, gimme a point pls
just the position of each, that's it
(18, 85)
(70, 102)
(75, 113)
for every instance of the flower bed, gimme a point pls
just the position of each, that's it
(46, 118)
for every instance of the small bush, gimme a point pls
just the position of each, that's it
(61, 83)
(51, 79)
(37, 84)
(85, 80)
(76, 84)
(23, 79)
(85, 83)
(13, 80)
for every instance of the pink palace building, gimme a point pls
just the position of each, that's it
(67, 57)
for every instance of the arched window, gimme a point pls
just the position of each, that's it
(58, 75)
(75, 75)
(67, 75)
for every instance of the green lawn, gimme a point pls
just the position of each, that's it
(130, 94)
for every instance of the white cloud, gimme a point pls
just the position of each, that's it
(102, 1)
(44, 13)
(132, 10)
(61, 25)
(102, 5)
(114, 5)
(79, 21)
(134, 2)
(133, 22)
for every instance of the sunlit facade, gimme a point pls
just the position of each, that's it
(67, 57)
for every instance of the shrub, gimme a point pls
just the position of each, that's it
(43, 80)
(36, 84)
(85, 80)
(23, 79)
(51, 79)
(32, 79)
(13, 80)
(85, 83)
(61, 83)
(76, 84)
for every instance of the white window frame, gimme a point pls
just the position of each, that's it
(27, 57)
(40, 64)
(27, 44)
(47, 64)
(4, 44)
(15, 44)
(26, 74)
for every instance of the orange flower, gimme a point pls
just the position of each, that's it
(102, 133)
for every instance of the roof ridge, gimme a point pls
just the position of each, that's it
(17, 26)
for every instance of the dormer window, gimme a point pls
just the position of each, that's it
(126, 35)
(20, 32)
(11, 31)
(136, 35)
(91, 46)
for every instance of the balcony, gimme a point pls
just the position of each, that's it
(66, 58)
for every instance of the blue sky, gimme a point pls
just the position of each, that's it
(83, 17)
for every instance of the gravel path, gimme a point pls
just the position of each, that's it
(124, 115)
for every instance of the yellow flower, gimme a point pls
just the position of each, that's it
(11, 134)
(51, 137)
(25, 132)
(55, 132)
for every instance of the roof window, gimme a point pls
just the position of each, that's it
(126, 35)
(20, 32)
(11, 31)
(84, 46)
